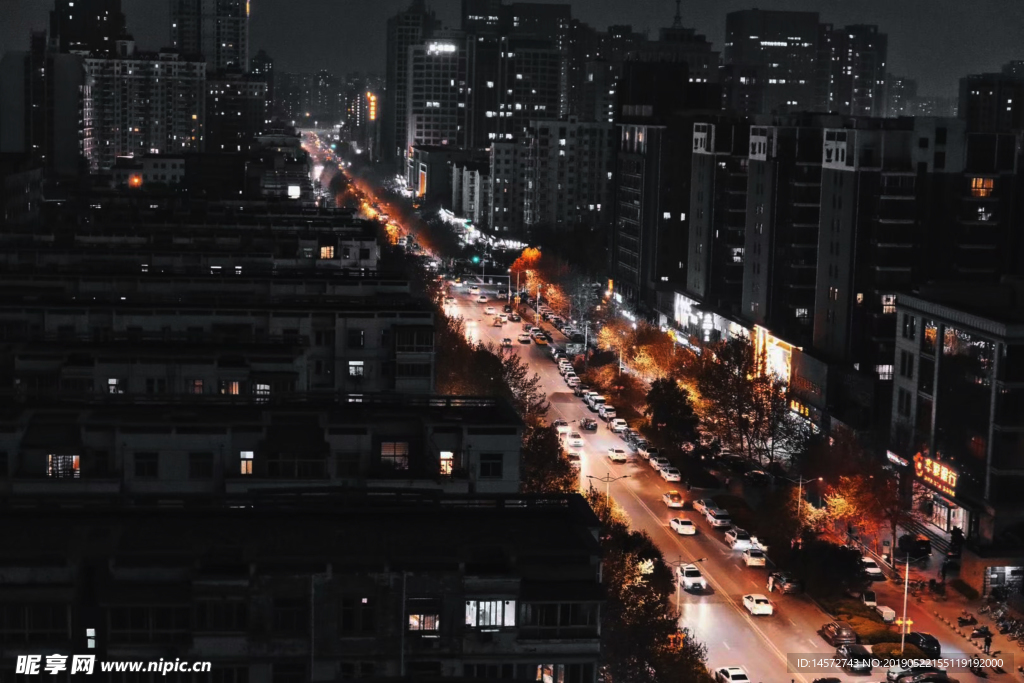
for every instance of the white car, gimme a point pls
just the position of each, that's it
(575, 456)
(575, 440)
(758, 604)
(754, 557)
(573, 382)
(673, 499)
(659, 463)
(871, 569)
(690, 578)
(481, 299)
(683, 526)
(617, 455)
(719, 518)
(737, 538)
(617, 425)
(524, 338)
(490, 310)
(701, 505)
(731, 674)
(671, 474)
(474, 289)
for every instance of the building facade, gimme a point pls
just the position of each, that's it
(405, 29)
(323, 588)
(216, 29)
(146, 103)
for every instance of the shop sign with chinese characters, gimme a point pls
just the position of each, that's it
(936, 474)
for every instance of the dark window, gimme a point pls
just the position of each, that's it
(324, 337)
(221, 615)
(923, 143)
(903, 403)
(491, 465)
(291, 615)
(940, 136)
(3, 464)
(413, 370)
(200, 465)
(147, 466)
(364, 254)
(356, 339)
(357, 616)
(289, 672)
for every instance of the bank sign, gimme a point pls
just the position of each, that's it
(935, 474)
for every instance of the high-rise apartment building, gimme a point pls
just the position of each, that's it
(216, 29)
(236, 111)
(992, 102)
(857, 83)
(47, 108)
(87, 25)
(262, 66)
(718, 209)
(771, 60)
(437, 92)
(899, 91)
(568, 165)
(405, 29)
(146, 103)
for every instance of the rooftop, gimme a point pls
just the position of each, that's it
(1002, 304)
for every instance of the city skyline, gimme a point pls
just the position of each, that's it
(970, 39)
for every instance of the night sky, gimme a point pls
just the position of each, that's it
(935, 41)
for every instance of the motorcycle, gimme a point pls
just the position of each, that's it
(981, 632)
(966, 619)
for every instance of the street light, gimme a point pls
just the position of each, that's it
(800, 496)
(607, 479)
(904, 622)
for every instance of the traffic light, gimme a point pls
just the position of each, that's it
(476, 259)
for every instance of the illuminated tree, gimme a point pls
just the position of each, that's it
(545, 467)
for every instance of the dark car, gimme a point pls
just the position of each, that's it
(838, 633)
(580, 389)
(926, 642)
(507, 308)
(588, 424)
(758, 478)
(785, 583)
(827, 680)
(856, 658)
(514, 317)
(917, 545)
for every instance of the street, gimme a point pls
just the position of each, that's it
(716, 618)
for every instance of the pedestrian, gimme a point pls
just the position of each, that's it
(942, 573)
(988, 643)
(687, 486)
(771, 583)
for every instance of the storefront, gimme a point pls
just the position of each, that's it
(935, 484)
(947, 515)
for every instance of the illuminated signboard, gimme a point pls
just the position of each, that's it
(896, 460)
(372, 101)
(436, 48)
(935, 474)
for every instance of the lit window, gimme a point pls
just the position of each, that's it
(981, 187)
(447, 460)
(424, 622)
(62, 466)
(326, 252)
(114, 386)
(246, 458)
(888, 303)
(490, 614)
(395, 454)
(262, 391)
(229, 387)
(884, 371)
(196, 386)
(355, 368)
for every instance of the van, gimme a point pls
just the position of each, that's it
(917, 545)
(606, 411)
(596, 402)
